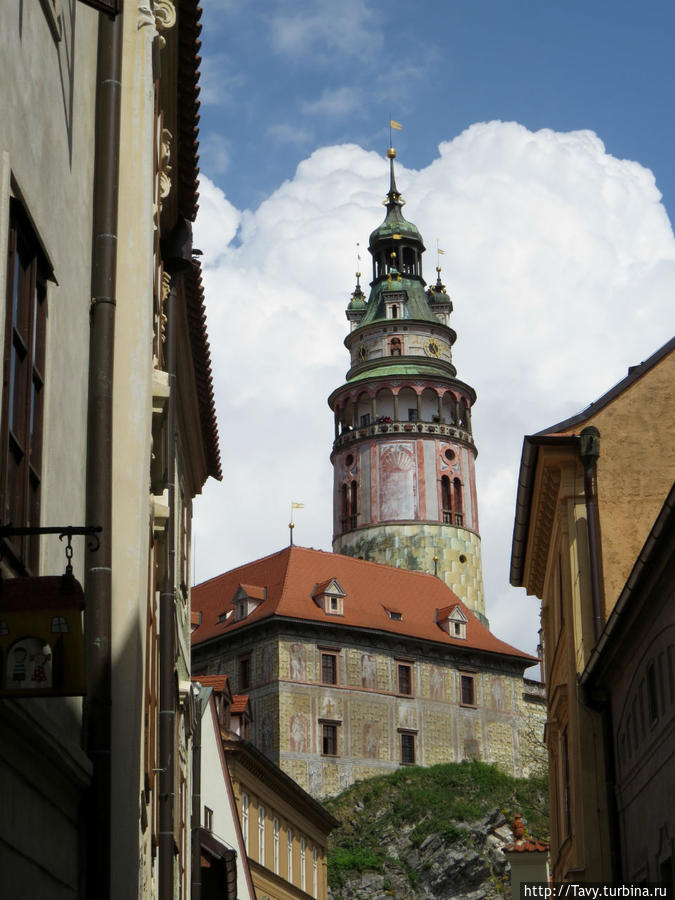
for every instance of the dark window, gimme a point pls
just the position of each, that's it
(329, 667)
(397, 616)
(457, 501)
(394, 312)
(395, 347)
(329, 740)
(407, 749)
(446, 500)
(244, 672)
(22, 399)
(565, 778)
(412, 414)
(365, 420)
(652, 699)
(468, 688)
(353, 504)
(208, 818)
(405, 679)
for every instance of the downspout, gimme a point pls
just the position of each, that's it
(98, 565)
(589, 451)
(177, 256)
(167, 637)
(197, 805)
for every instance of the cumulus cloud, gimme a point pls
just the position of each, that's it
(560, 261)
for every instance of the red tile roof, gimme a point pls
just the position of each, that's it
(290, 577)
(217, 682)
(254, 591)
(524, 846)
(239, 704)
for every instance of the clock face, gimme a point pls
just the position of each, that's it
(363, 351)
(432, 347)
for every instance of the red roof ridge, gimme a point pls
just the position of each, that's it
(246, 565)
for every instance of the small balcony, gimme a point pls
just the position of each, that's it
(349, 435)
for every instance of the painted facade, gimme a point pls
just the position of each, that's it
(285, 831)
(353, 668)
(404, 488)
(84, 819)
(581, 521)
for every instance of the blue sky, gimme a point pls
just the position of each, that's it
(533, 135)
(283, 78)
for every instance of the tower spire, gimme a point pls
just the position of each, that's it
(403, 421)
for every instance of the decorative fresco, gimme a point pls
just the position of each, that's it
(299, 733)
(368, 671)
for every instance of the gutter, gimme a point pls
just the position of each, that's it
(589, 451)
(98, 566)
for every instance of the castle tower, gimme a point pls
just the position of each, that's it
(403, 455)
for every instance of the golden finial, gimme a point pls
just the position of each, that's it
(391, 153)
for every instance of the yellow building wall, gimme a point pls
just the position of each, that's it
(636, 469)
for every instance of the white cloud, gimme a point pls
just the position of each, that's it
(215, 153)
(561, 264)
(216, 225)
(220, 80)
(285, 133)
(336, 103)
(322, 30)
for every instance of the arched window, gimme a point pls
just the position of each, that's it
(446, 500)
(395, 347)
(344, 507)
(457, 502)
(394, 311)
(353, 504)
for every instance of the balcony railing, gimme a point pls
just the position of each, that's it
(349, 435)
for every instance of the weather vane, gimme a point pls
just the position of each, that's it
(291, 524)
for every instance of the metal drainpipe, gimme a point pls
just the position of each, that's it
(98, 613)
(589, 451)
(167, 638)
(196, 805)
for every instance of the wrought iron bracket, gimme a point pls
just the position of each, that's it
(63, 531)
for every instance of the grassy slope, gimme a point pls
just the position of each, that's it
(442, 800)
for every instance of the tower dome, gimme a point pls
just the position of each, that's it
(403, 455)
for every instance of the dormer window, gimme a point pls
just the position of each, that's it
(330, 596)
(247, 598)
(453, 621)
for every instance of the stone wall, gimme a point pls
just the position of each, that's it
(505, 726)
(413, 546)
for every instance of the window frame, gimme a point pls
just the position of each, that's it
(402, 664)
(468, 678)
(244, 670)
(329, 736)
(333, 656)
(24, 379)
(404, 737)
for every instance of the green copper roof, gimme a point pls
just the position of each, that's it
(416, 301)
(400, 369)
